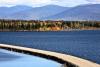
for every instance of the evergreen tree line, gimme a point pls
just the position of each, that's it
(37, 25)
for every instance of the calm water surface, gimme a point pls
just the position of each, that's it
(13, 59)
(84, 44)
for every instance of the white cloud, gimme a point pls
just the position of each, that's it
(71, 2)
(23, 2)
(94, 1)
(45, 2)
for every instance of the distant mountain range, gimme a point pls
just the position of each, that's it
(51, 12)
(85, 12)
(29, 13)
(8, 11)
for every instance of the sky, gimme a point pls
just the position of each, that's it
(37, 3)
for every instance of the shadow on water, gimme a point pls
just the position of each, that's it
(7, 57)
(14, 59)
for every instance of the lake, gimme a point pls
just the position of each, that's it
(83, 44)
(13, 59)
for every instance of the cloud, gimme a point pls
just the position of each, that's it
(46, 2)
(94, 1)
(70, 2)
(23, 2)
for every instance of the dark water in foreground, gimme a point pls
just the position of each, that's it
(84, 44)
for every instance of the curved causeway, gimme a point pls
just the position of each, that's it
(71, 61)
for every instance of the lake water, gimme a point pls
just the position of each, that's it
(84, 44)
(13, 59)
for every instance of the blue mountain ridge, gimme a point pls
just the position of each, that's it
(30, 13)
(51, 12)
(83, 12)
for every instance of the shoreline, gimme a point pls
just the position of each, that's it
(68, 58)
(55, 31)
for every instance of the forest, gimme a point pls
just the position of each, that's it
(48, 25)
